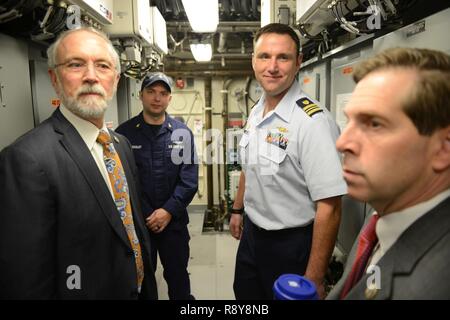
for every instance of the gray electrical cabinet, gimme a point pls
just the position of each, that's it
(111, 114)
(44, 96)
(16, 110)
(128, 101)
(429, 33)
(342, 84)
(314, 80)
(122, 100)
(135, 105)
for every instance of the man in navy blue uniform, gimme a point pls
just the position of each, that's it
(166, 157)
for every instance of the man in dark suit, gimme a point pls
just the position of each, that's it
(64, 231)
(396, 150)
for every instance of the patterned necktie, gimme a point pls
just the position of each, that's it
(366, 243)
(122, 199)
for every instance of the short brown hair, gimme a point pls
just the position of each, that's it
(279, 28)
(428, 106)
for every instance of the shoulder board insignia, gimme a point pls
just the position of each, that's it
(309, 106)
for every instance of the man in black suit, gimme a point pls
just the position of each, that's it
(396, 149)
(61, 231)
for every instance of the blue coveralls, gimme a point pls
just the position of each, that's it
(168, 173)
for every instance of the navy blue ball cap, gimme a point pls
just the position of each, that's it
(155, 77)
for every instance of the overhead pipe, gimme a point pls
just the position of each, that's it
(236, 6)
(245, 7)
(242, 61)
(161, 5)
(222, 42)
(256, 24)
(246, 95)
(234, 55)
(228, 26)
(225, 118)
(255, 9)
(208, 126)
(176, 6)
(208, 73)
(226, 7)
(177, 43)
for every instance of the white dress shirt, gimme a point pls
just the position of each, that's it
(390, 227)
(89, 133)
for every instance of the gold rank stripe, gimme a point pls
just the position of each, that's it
(311, 109)
(314, 111)
(310, 106)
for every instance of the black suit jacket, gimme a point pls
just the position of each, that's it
(59, 223)
(415, 267)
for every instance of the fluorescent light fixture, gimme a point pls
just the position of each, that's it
(203, 15)
(201, 51)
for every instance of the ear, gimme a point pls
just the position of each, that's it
(441, 159)
(253, 61)
(53, 79)
(299, 60)
(117, 80)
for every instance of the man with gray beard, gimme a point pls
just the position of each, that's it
(72, 226)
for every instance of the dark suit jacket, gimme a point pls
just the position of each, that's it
(415, 267)
(57, 215)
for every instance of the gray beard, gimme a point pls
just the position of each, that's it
(86, 108)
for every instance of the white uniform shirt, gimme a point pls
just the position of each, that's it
(289, 161)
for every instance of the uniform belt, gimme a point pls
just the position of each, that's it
(284, 230)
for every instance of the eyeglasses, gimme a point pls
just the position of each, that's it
(100, 67)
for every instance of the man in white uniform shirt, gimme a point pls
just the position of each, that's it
(291, 183)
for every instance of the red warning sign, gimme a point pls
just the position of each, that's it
(347, 70)
(56, 102)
